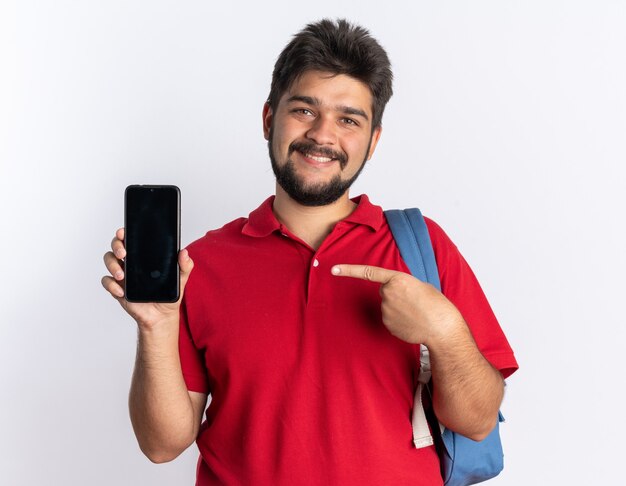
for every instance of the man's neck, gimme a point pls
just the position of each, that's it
(312, 224)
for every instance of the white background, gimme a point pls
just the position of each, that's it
(507, 126)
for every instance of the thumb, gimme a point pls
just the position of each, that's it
(186, 266)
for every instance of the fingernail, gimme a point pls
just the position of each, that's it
(119, 275)
(119, 292)
(335, 270)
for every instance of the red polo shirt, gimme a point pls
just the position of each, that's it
(307, 385)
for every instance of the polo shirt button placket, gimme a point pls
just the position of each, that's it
(315, 286)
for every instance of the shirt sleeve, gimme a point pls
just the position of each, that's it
(460, 286)
(191, 360)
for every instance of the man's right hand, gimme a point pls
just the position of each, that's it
(149, 315)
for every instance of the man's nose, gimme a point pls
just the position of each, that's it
(323, 131)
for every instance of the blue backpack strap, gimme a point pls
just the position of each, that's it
(411, 234)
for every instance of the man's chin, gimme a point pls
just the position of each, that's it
(315, 196)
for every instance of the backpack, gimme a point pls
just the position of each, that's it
(463, 461)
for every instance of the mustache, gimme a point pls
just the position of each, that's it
(308, 147)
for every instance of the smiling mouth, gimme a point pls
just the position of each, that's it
(318, 158)
(317, 155)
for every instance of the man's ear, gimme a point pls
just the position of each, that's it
(375, 137)
(268, 115)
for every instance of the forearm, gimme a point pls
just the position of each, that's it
(161, 410)
(467, 389)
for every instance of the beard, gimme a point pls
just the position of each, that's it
(320, 194)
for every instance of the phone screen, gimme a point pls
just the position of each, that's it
(152, 240)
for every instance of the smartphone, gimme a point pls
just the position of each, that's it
(152, 240)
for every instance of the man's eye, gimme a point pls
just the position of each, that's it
(303, 111)
(349, 121)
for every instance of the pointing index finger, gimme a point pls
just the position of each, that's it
(364, 272)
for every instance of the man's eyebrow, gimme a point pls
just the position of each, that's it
(304, 99)
(346, 110)
(349, 110)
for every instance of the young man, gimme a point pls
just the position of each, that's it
(302, 320)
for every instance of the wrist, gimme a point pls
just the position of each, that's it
(157, 346)
(447, 332)
(157, 322)
(165, 329)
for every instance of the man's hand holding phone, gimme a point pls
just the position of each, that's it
(147, 314)
(147, 269)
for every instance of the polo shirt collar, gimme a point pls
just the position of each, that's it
(262, 221)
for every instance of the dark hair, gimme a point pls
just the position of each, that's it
(335, 47)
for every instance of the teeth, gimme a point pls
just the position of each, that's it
(319, 159)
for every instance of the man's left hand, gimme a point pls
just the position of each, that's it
(412, 310)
